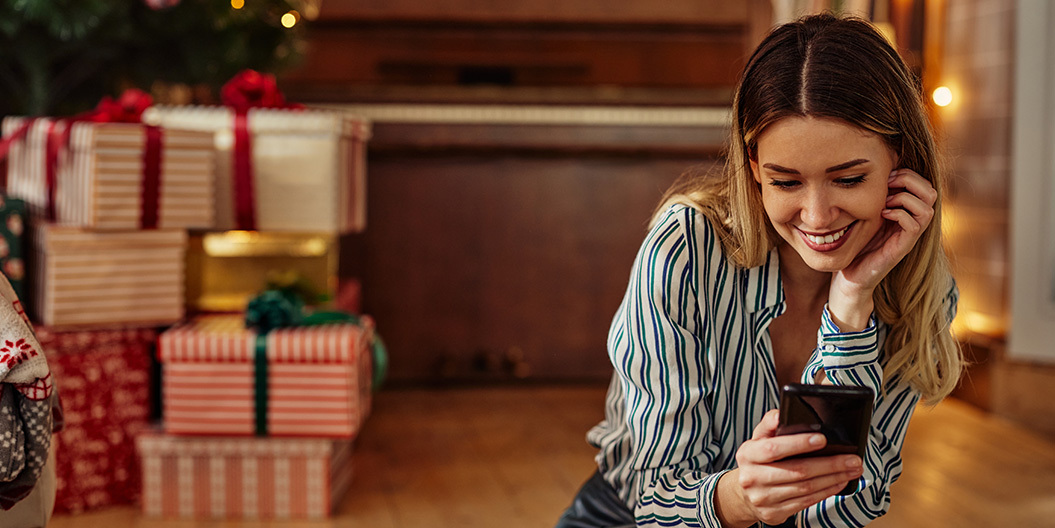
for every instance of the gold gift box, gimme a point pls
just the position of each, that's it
(226, 269)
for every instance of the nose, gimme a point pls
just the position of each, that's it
(819, 212)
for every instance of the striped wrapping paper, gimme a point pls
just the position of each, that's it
(309, 166)
(318, 379)
(100, 178)
(243, 478)
(90, 278)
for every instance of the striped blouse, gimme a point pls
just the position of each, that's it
(694, 374)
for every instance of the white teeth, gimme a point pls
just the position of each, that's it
(827, 239)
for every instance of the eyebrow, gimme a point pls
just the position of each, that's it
(835, 168)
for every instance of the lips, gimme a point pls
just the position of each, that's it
(827, 241)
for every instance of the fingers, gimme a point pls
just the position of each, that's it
(809, 491)
(767, 426)
(793, 505)
(776, 491)
(773, 449)
(913, 208)
(913, 183)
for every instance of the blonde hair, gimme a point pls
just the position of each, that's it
(840, 68)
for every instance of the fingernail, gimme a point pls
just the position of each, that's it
(892, 176)
(853, 462)
(817, 440)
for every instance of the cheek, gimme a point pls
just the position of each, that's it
(871, 205)
(778, 208)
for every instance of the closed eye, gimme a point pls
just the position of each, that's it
(784, 184)
(850, 181)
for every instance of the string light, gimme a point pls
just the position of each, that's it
(290, 19)
(942, 96)
(237, 4)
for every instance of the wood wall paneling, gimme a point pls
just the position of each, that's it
(503, 266)
(598, 11)
(517, 56)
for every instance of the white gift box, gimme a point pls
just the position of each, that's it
(309, 166)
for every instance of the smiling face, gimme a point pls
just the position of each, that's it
(824, 187)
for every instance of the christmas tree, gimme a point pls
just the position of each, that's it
(59, 57)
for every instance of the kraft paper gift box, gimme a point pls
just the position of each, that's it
(104, 380)
(100, 181)
(226, 269)
(82, 278)
(301, 381)
(309, 166)
(243, 478)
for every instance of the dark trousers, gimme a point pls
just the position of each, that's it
(596, 506)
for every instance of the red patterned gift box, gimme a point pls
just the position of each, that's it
(243, 478)
(103, 378)
(218, 378)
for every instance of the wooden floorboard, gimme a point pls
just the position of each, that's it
(513, 457)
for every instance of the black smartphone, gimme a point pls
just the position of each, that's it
(842, 413)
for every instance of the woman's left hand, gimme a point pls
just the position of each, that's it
(909, 210)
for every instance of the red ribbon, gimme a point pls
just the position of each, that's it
(56, 141)
(248, 89)
(129, 109)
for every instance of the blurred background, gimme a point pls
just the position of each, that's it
(519, 147)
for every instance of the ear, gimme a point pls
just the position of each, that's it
(754, 171)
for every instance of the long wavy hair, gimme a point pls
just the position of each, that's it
(840, 68)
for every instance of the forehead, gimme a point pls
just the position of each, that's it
(819, 140)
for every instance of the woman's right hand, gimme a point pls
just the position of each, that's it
(766, 487)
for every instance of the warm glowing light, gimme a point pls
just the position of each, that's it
(290, 19)
(942, 96)
(971, 322)
(237, 4)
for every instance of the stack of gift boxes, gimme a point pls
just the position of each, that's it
(129, 257)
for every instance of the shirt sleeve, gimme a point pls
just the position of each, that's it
(854, 359)
(657, 352)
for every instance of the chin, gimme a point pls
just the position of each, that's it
(823, 263)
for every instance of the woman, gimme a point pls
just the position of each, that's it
(815, 257)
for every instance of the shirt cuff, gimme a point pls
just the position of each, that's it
(705, 501)
(846, 350)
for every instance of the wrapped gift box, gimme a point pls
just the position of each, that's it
(103, 378)
(226, 269)
(243, 478)
(309, 166)
(99, 179)
(307, 381)
(84, 278)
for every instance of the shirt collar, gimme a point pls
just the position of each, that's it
(764, 288)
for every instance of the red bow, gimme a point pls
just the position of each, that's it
(126, 109)
(252, 89)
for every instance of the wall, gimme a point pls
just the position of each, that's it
(979, 66)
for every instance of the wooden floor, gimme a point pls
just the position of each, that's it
(513, 457)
